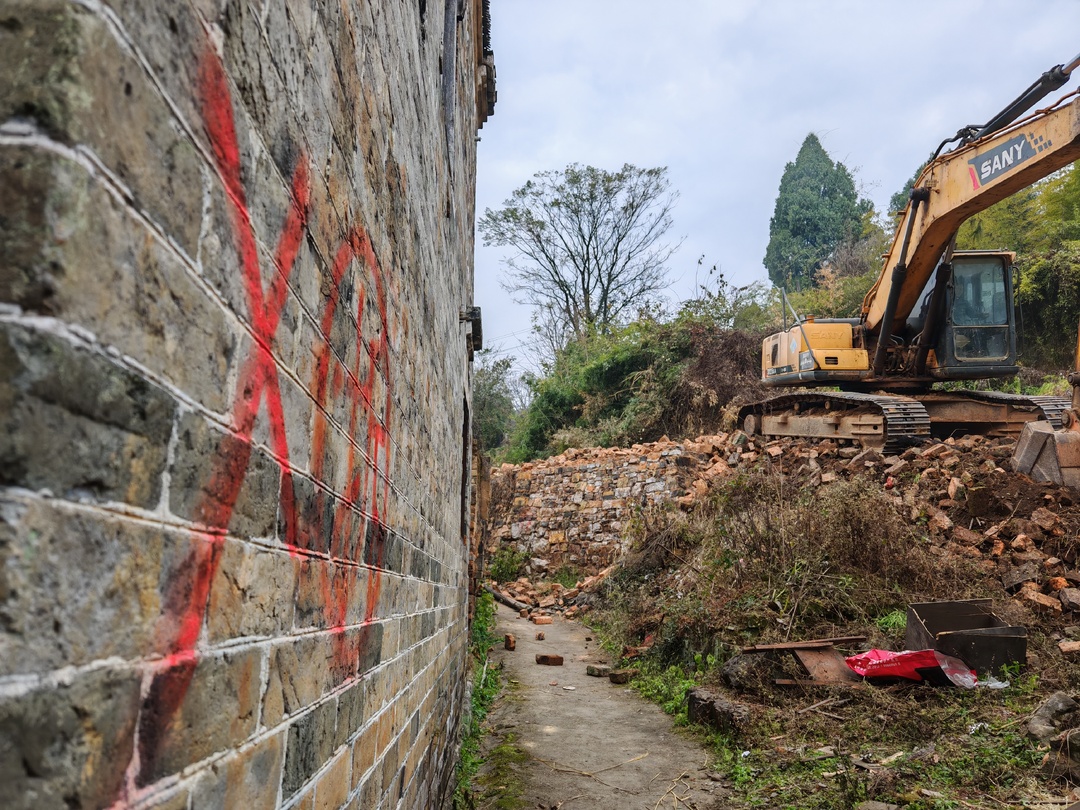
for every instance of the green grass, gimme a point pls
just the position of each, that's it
(486, 684)
(893, 621)
(500, 786)
(567, 576)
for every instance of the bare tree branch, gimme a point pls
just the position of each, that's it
(589, 244)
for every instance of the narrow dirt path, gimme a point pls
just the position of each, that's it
(584, 742)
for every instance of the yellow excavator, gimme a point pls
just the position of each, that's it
(935, 313)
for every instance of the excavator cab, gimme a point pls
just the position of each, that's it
(978, 340)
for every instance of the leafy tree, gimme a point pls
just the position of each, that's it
(899, 200)
(1042, 224)
(816, 209)
(589, 244)
(723, 305)
(493, 400)
(1048, 302)
(1060, 200)
(1012, 224)
(843, 281)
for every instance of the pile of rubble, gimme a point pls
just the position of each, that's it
(964, 494)
(571, 509)
(546, 598)
(961, 490)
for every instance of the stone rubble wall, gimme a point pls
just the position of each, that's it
(236, 239)
(570, 511)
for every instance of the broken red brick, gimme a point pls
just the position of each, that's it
(549, 659)
(509, 641)
(1040, 601)
(1021, 543)
(541, 619)
(966, 537)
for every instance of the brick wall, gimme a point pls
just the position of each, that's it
(571, 510)
(235, 240)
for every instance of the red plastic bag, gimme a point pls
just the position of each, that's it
(913, 665)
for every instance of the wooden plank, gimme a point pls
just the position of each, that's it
(810, 644)
(825, 665)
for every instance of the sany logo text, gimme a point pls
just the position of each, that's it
(992, 164)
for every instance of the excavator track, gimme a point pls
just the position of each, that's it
(1050, 408)
(891, 422)
(885, 421)
(990, 413)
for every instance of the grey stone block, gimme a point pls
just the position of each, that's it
(82, 256)
(217, 475)
(78, 424)
(250, 779)
(194, 710)
(76, 586)
(311, 740)
(68, 746)
(65, 72)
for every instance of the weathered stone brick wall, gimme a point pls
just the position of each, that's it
(570, 510)
(235, 240)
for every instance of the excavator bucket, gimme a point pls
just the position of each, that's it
(1048, 455)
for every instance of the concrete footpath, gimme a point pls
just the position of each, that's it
(590, 743)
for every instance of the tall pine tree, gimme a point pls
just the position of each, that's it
(817, 208)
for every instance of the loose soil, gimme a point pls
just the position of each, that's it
(580, 741)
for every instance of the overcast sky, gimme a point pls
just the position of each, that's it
(723, 92)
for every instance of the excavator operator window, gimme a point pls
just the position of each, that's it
(980, 313)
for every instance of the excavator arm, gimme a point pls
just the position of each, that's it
(963, 182)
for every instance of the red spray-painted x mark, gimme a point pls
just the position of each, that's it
(186, 598)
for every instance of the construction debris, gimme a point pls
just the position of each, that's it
(968, 630)
(819, 659)
(961, 490)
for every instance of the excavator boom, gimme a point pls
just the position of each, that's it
(956, 186)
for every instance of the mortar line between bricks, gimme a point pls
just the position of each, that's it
(124, 39)
(18, 134)
(153, 519)
(194, 770)
(347, 168)
(454, 632)
(325, 262)
(75, 336)
(144, 517)
(20, 684)
(432, 662)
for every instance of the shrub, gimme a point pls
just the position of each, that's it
(507, 564)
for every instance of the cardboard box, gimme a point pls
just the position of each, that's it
(969, 630)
